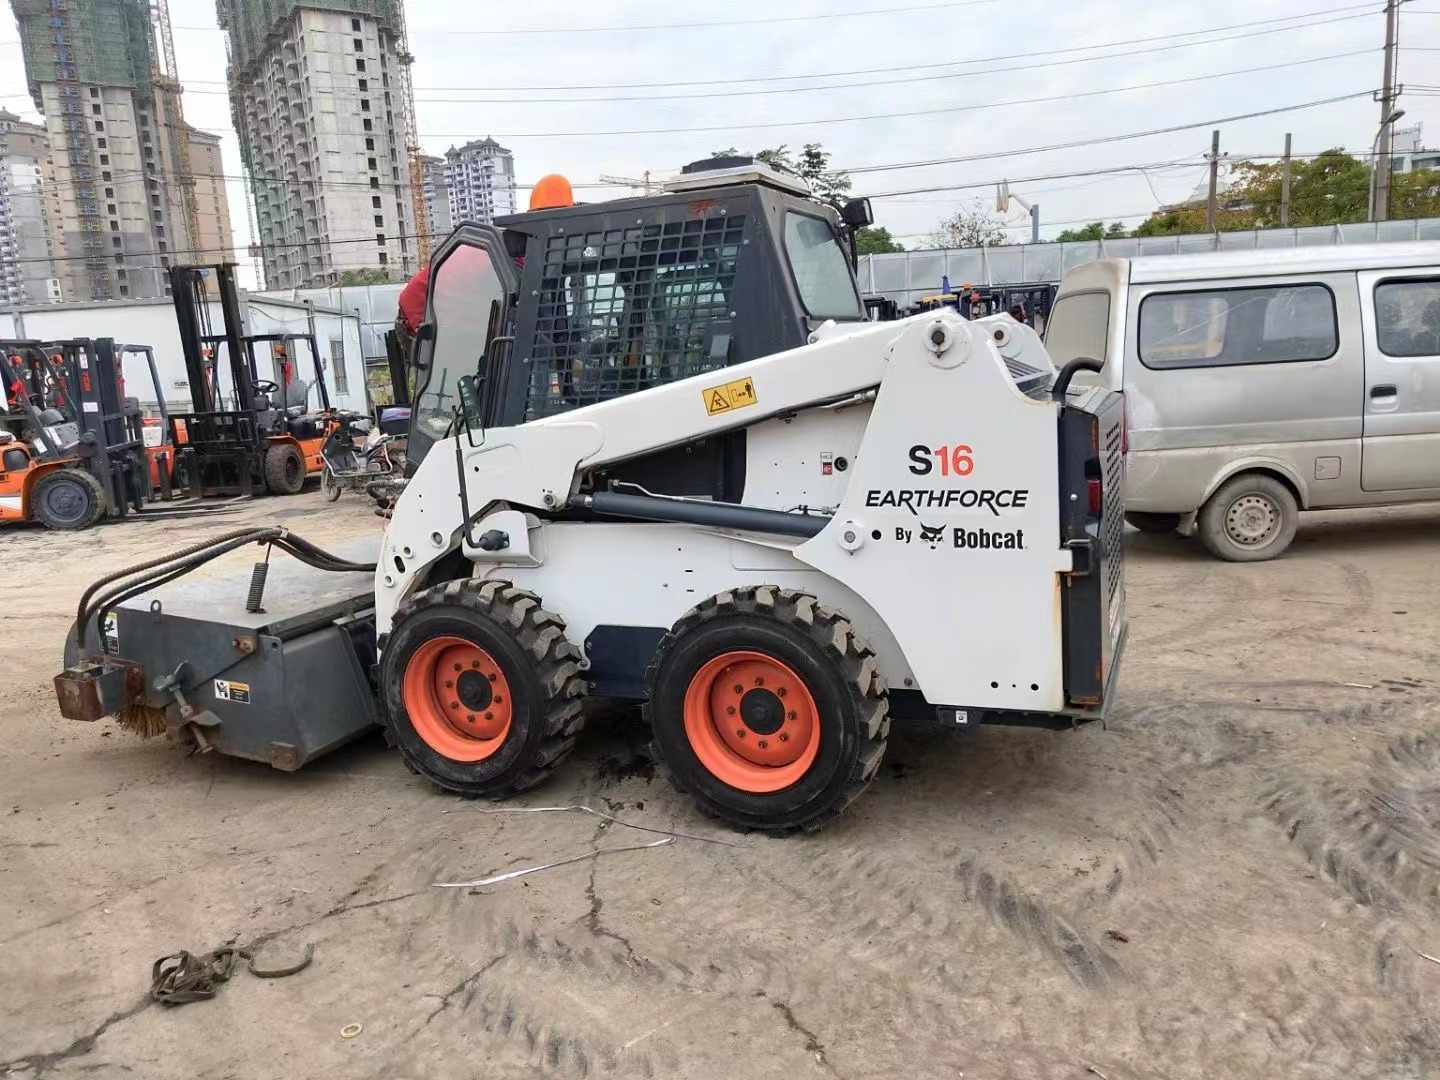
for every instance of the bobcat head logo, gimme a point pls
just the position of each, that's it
(931, 536)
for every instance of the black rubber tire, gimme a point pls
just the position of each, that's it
(838, 667)
(540, 664)
(68, 500)
(329, 485)
(1153, 523)
(284, 469)
(1211, 524)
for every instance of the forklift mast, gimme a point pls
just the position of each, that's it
(190, 292)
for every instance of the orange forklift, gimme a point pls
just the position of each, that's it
(72, 445)
(245, 435)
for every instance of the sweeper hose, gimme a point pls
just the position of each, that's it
(166, 568)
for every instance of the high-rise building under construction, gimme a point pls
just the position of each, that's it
(316, 90)
(112, 125)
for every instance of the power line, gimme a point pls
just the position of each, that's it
(1100, 140)
(820, 89)
(686, 26)
(1368, 10)
(946, 111)
(849, 86)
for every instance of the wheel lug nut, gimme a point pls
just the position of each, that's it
(489, 716)
(491, 677)
(759, 682)
(740, 733)
(784, 737)
(475, 664)
(449, 683)
(454, 704)
(762, 744)
(470, 718)
(499, 700)
(780, 692)
(790, 716)
(739, 689)
(458, 667)
(730, 710)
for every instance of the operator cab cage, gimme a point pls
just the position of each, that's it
(562, 308)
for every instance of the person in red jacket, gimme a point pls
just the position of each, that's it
(412, 309)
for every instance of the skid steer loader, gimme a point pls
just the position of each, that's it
(916, 520)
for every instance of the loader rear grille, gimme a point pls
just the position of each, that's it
(1112, 462)
(625, 309)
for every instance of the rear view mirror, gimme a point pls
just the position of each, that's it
(857, 214)
(470, 402)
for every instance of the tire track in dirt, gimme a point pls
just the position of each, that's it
(1376, 833)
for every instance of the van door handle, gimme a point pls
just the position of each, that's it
(1384, 390)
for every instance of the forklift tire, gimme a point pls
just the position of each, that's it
(767, 709)
(284, 469)
(482, 690)
(69, 499)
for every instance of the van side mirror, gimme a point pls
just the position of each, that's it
(857, 214)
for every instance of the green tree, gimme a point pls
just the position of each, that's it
(812, 165)
(1330, 189)
(876, 241)
(1172, 223)
(370, 276)
(1096, 230)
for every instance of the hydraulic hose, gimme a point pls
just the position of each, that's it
(154, 572)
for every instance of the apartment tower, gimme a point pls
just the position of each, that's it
(316, 96)
(481, 179)
(117, 213)
(28, 273)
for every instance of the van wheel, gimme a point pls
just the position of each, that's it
(1250, 519)
(1153, 523)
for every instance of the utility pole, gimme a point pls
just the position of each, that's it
(1210, 203)
(1387, 108)
(1285, 185)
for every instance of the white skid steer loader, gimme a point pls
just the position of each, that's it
(917, 520)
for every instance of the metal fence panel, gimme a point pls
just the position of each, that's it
(907, 276)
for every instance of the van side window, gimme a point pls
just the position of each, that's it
(1079, 326)
(1273, 324)
(1407, 317)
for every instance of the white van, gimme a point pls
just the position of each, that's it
(1262, 383)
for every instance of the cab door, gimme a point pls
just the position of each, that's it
(467, 314)
(1401, 315)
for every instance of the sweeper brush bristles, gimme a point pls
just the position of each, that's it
(143, 720)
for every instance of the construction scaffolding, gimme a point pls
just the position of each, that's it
(250, 24)
(99, 42)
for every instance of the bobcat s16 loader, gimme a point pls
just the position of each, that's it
(916, 520)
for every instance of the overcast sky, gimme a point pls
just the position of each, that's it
(483, 69)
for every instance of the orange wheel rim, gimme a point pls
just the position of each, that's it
(457, 698)
(752, 721)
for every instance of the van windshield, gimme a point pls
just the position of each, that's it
(1079, 326)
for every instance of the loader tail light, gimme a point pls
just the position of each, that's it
(1097, 496)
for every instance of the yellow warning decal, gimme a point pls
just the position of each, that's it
(229, 690)
(732, 395)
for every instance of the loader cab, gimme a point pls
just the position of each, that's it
(575, 305)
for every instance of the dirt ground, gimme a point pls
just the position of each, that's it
(1238, 879)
